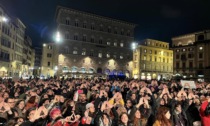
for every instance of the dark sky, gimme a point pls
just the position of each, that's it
(156, 19)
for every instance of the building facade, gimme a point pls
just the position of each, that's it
(92, 44)
(191, 56)
(152, 59)
(13, 62)
(38, 61)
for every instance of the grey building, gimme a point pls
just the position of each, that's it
(92, 44)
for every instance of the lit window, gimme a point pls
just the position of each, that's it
(83, 52)
(75, 52)
(184, 50)
(121, 57)
(100, 55)
(145, 50)
(201, 48)
(177, 50)
(121, 44)
(108, 43)
(107, 55)
(115, 44)
(145, 58)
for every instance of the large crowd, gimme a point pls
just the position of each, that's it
(98, 102)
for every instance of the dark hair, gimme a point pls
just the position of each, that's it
(32, 99)
(18, 102)
(28, 112)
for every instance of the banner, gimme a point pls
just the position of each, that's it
(188, 84)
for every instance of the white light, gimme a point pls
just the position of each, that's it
(134, 45)
(4, 19)
(44, 44)
(58, 37)
(56, 68)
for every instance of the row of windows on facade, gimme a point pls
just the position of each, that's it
(101, 28)
(190, 65)
(91, 62)
(92, 40)
(6, 30)
(189, 49)
(155, 59)
(184, 57)
(6, 43)
(100, 55)
(157, 44)
(157, 52)
(163, 68)
(6, 55)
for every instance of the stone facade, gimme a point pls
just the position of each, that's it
(93, 44)
(153, 59)
(192, 59)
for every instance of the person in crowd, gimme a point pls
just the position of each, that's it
(163, 117)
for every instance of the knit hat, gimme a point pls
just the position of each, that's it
(89, 105)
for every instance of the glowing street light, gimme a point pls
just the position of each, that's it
(58, 37)
(134, 45)
(3, 19)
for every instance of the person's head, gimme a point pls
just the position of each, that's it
(133, 96)
(61, 99)
(165, 96)
(82, 97)
(10, 101)
(90, 107)
(163, 115)
(178, 107)
(50, 92)
(30, 113)
(162, 101)
(129, 103)
(33, 100)
(6, 95)
(124, 118)
(105, 119)
(137, 114)
(16, 95)
(54, 113)
(20, 104)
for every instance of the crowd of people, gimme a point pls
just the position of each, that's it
(98, 102)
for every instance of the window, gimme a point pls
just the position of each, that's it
(150, 51)
(67, 21)
(115, 43)
(107, 55)
(150, 57)
(190, 55)
(121, 57)
(200, 65)
(155, 59)
(75, 52)
(84, 38)
(135, 57)
(48, 64)
(109, 29)
(191, 64)
(122, 32)
(100, 55)
(183, 65)
(91, 53)
(101, 28)
(128, 33)
(145, 50)
(177, 56)
(67, 35)
(100, 41)
(75, 37)
(108, 43)
(92, 27)
(49, 55)
(183, 50)
(84, 25)
(164, 60)
(177, 50)
(121, 44)
(92, 39)
(76, 23)
(156, 52)
(49, 47)
(200, 55)
(83, 52)
(145, 57)
(144, 66)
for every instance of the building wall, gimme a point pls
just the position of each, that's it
(12, 33)
(49, 60)
(192, 61)
(153, 60)
(105, 42)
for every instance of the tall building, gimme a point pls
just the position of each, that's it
(37, 61)
(12, 45)
(152, 59)
(191, 55)
(92, 44)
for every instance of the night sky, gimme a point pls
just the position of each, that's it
(156, 19)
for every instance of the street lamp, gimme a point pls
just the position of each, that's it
(58, 37)
(3, 19)
(134, 45)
